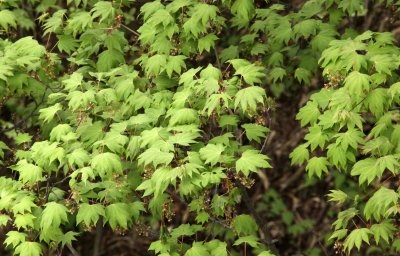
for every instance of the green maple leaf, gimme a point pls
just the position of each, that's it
(202, 217)
(23, 138)
(308, 114)
(87, 172)
(150, 8)
(306, 28)
(79, 157)
(303, 75)
(3, 147)
(229, 53)
(337, 196)
(7, 18)
(376, 101)
(352, 137)
(24, 221)
(136, 208)
(158, 183)
(89, 214)
(394, 90)
(184, 138)
(53, 216)
(54, 23)
(283, 33)
(67, 43)
(79, 21)
(217, 247)
(118, 214)
(357, 83)
(204, 12)
(255, 132)
(276, 59)
(322, 98)
(28, 173)
(206, 43)
(106, 163)
(109, 59)
(228, 120)
(67, 238)
(251, 161)
(277, 74)
(349, 55)
(6, 71)
(198, 249)
(73, 81)
(248, 98)
(214, 103)
(299, 155)
(388, 162)
(379, 204)
(155, 64)
(244, 11)
(7, 199)
(223, 139)
(250, 240)
(250, 72)
(187, 77)
(316, 137)
(154, 135)
(155, 156)
(114, 141)
(212, 177)
(212, 153)
(161, 17)
(90, 133)
(47, 114)
(104, 10)
(337, 155)
(317, 165)
(24, 205)
(327, 33)
(4, 219)
(185, 230)
(244, 224)
(14, 238)
(160, 246)
(384, 230)
(116, 40)
(339, 234)
(175, 64)
(367, 170)
(218, 204)
(178, 5)
(182, 116)
(344, 217)
(352, 6)
(356, 237)
(29, 249)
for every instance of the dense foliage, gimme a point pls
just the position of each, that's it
(119, 114)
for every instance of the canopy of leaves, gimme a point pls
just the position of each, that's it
(174, 120)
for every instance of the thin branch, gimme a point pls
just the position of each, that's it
(130, 30)
(50, 188)
(217, 58)
(259, 221)
(97, 241)
(72, 250)
(269, 133)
